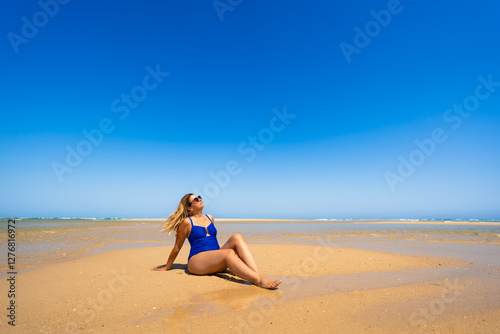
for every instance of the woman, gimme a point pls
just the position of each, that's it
(206, 256)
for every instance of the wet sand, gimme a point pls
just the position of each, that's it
(47, 241)
(327, 286)
(381, 277)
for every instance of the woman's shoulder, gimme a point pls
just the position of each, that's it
(211, 217)
(185, 224)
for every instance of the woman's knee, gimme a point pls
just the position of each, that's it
(229, 253)
(237, 236)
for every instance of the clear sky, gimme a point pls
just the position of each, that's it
(268, 109)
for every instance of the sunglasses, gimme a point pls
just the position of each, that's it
(196, 199)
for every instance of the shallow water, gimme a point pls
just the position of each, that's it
(43, 241)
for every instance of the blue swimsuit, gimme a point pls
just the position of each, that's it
(202, 239)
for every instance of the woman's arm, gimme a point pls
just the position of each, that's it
(182, 234)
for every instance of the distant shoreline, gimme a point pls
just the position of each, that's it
(271, 220)
(228, 219)
(360, 221)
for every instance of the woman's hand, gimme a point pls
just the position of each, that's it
(163, 267)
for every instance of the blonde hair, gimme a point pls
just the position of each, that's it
(175, 218)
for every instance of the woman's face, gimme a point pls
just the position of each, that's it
(196, 202)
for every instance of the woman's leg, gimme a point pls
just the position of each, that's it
(239, 245)
(211, 262)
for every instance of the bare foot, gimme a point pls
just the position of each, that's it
(268, 283)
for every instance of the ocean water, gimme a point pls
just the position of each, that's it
(40, 242)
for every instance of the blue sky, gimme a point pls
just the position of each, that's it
(369, 109)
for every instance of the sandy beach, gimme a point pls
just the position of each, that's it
(329, 285)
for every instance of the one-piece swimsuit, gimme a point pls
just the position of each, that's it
(202, 239)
